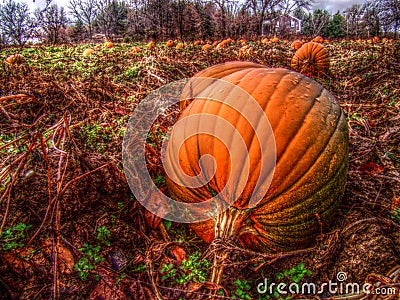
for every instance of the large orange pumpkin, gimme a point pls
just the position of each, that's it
(311, 59)
(311, 139)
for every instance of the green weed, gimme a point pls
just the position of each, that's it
(12, 236)
(242, 289)
(87, 263)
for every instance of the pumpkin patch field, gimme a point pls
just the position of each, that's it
(71, 228)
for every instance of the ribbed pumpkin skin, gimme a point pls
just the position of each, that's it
(312, 152)
(311, 59)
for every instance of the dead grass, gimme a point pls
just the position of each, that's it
(62, 118)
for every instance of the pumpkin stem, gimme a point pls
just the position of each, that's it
(227, 226)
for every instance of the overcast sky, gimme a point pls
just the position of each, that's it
(331, 5)
(334, 5)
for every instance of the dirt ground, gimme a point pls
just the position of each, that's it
(86, 237)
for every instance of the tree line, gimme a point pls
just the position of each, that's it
(130, 20)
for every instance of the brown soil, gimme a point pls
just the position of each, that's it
(67, 184)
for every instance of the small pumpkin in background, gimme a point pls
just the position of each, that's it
(179, 46)
(311, 59)
(206, 47)
(245, 50)
(265, 41)
(135, 49)
(151, 45)
(15, 59)
(170, 43)
(88, 52)
(318, 39)
(108, 44)
(196, 43)
(275, 39)
(311, 138)
(296, 45)
(242, 42)
(220, 45)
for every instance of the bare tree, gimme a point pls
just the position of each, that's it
(112, 16)
(207, 12)
(191, 22)
(158, 17)
(241, 26)
(3, 38)
(51, 20)
(261, 11)
(391, 15)
(135, 19)
(17, 25)
(316, 23)
(354, 15)
(290, 6)
(226, 8)
(373, 14)
(84, 13)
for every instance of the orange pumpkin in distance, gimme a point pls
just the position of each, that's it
(275, 39)
(15, 59)
(311, 59)
(318, 39)
(296, 45)
(108, 44)
(151, 45)
(311, 137)
(170, 43)
(87, 52)
(135, 49)
(206, 47)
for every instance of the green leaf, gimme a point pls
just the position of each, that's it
(300, 266)
(167, 224)
(237, 282)
(239, 292)
(297, 278)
